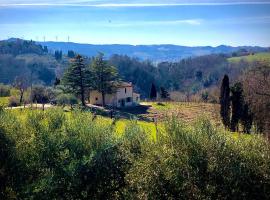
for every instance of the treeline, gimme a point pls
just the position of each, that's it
(18, 46)
(247, 101)
(188, 75)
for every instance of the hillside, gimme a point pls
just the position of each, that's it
(193, 74)
(265, 56)
(156, 53)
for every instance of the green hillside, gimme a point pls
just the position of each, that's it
(251, 58)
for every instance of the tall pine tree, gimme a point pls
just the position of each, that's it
(77, 78)
(105, 76)
(225, 101)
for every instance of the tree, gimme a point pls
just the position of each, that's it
(21, 83)
(205, 96)
(237, 99)
(58, 55)
(105, 76)
(246, 118)
(164, 93)
(153, 92)
(64, 99)
(71, 54)
(77, 78)
(256, 84)
(56, 81)
(225, 101)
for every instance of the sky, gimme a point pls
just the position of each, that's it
(180, 22)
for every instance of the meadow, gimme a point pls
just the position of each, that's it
(54, 154)
(251, 58)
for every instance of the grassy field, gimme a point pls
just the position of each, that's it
(252, 58)
(4, 101)
(186, 111)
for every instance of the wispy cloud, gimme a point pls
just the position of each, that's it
(194, 22)
(126, 3)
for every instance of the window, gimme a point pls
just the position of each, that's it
(129, 99)
(96, 98)
(125, 90)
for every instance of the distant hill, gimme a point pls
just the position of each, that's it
(155, 53)
(251, 58)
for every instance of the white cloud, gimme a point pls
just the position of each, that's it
(193, 22)
(126, 3)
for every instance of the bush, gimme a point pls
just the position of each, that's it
(4, 90)
(13, 101)
(71, 156)
(66, 99)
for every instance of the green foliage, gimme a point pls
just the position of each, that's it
(58, 55)
(105, 76)
(41, 94)
(19, 46)
(13, 101)
(225, 101)
(251, 58)
(78, 78)
(153, 92)
(4, 90)
(237, 105)
(164, 94)
(55, 155)
(71, 54)
(66, 99)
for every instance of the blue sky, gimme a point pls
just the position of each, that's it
(182, 22)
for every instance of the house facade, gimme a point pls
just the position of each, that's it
(123, 97)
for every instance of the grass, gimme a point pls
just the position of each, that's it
(186, 111)
(4, 101)
(251, 58)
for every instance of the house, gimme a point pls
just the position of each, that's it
(123, 97)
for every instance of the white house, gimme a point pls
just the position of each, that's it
(123, 97)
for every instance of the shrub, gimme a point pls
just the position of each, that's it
(57, 155)
(66, 99)
(4, 90)
(13, 101)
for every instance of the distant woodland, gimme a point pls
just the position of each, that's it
(188, 76)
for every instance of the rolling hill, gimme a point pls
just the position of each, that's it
(155, 53)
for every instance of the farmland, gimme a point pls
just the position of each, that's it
(251, 58)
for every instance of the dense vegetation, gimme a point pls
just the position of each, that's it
(55, 155)
(190, 75)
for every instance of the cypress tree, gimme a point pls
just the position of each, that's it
(77, 78)
(246, 118)
(237, 105)
(164, 93)
(153, 92)
(225, 101)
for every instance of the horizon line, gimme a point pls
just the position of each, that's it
(129, 44)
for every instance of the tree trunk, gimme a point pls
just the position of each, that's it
(82, 98)
(21, 97)
(103, 99)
